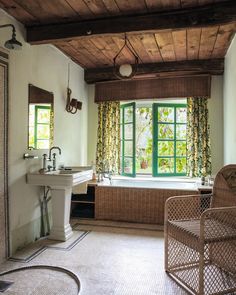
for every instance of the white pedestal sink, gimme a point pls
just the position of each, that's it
(61, 183)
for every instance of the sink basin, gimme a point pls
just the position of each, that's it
(60, 178)
(68, 171)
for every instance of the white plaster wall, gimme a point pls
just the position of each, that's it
(92, 125)
(230, 105)
(46, 67)
(215, 106)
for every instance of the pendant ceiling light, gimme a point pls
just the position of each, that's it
(126, 71)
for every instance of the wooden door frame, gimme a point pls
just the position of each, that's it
(4, 104)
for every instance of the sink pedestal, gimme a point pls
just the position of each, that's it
(61, 183)
(61, 202)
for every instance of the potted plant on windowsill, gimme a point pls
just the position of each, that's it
(143, 163)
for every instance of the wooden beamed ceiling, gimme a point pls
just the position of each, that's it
(174, 37)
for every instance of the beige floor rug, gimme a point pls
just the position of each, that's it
(107, 260)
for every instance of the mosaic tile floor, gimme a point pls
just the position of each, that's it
(107, 260)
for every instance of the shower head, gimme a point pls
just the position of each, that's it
(12, 43)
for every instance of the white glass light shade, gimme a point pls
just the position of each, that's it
(125, 70)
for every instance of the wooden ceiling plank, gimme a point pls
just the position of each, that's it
(151, 47)
(189, 3)
(112, 7)
(205, 2)
(107, 46)
(93, 50)
(49, 10)
(171, 4)
(134, 6)
(180, 44)
(207, 43)
(198, 17)
(223, 40)
(136, 42)
(97, 7)
(164, 69)
(81, 8)
(154, 5)
(18, 12)
(166, 45)
(82, 52)
(70, 51)
(193, 43)
(126, 55)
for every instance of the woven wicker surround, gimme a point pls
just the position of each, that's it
(140, 205)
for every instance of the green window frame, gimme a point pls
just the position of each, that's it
(175, 130)
(128, 139)
(37, 124)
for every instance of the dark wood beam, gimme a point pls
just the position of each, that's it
(165, 69)
(208, 15)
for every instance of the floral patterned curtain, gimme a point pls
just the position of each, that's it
(51, 139)
(108, 141)
(198, 138)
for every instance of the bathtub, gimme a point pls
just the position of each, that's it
(176, 184)
(138, 200)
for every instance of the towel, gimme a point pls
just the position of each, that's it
(80, 188)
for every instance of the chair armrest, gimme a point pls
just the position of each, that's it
(186, 207)
(218, 223)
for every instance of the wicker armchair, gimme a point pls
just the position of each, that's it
(200, 238)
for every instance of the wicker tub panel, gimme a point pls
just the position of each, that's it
(133, 204)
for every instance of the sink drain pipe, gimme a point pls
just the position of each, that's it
(51, 267)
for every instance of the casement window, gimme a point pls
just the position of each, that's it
(153, 139)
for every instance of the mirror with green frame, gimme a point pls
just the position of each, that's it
(40, 121)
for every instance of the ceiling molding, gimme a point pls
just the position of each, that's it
(163, 69)
(208, 15)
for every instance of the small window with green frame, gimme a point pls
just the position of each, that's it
(169, 139)
(39, 126)
(127, 129)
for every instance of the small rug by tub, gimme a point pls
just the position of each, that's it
(33, 250)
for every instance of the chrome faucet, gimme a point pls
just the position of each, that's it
(54, 156)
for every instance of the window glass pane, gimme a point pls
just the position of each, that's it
(43, 131)
(31, 136)
(181, 148)
(181, 165)
(180, 131)
(165, 148)
(165, 165)
(43, 116)
(144, 140)
(181, 115)
(128, 131)
(128, 148)
(43, 144)
(128, 165)
(166, 131)
(31, 114)
(165, 114)
(128, 113)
